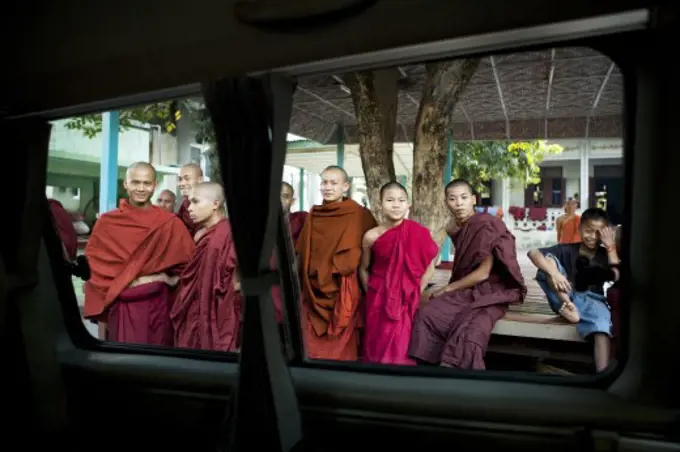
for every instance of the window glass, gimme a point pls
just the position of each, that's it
(512, 266)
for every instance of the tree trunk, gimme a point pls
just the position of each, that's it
(443, 87)
(215, 171)
(374, 94)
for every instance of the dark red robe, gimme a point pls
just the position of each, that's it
(399, 259)
(454, 328)
(64, 226)
(183, 214)
(125, 244)
(296, 221)
(207, 309)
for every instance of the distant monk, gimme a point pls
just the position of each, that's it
(567, 225)
(65, 229)
(167, 200)
(329, 250)
(207, 309)
(189, 176)
(454, 327)
(135, 254)
(401, 255)
(296, 221)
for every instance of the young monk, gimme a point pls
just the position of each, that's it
(567, 225)
(296, 221)
(573, 275)
(135, 254)
(454, 327)
(329, 250)
(401, 255)
(189, 176)
(65, 229)
(207, 309)
(166, 200)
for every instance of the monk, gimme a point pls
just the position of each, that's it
(296, 221)
(189, 176)
(454, 326)
(166, 200)
(329, 250)
(207, 309)
(65, 229)
(567, 225)
(135, 254)
(401, 256)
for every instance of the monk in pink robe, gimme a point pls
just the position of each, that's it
(455, 326)
(207, 310)
(401, 256)
(296, 221)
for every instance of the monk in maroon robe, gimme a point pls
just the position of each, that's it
(397, 262)
(454, 327)
(135, 254)
(167, 200)
(64, 226)
(296, 221)
(189, 176)
(207, 310)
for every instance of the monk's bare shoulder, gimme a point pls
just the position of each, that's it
(372, 235)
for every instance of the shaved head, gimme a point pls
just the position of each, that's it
(166, 200)
(140, 166)
(206, 204)
(339, 169)
(189, 176)
(210, 190)
(194, 168)
(334, 184)
(287, 196)
(140, 183)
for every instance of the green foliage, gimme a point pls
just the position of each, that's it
(481, 161)
(165, 114)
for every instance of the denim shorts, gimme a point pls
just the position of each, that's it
(592, 307)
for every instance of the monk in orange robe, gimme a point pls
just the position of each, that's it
(135, 254)
(167, 200)
(207, 309)
(64, 226)
(329, 250)
(296, 221)
(189, 176)
(567, 225)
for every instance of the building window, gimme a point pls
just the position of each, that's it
(557, 192)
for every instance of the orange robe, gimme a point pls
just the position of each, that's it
(207, 309)
(570, 232)
(330, 252)
(125, 244)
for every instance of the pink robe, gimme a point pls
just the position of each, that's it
(400, 258)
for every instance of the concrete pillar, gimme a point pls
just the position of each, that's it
(584, 191)
(108, 169)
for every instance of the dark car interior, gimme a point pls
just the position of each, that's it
(63, 388)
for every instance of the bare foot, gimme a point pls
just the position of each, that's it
(569, 311)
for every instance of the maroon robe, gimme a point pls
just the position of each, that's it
(183, 214)
(64, 226)
(454, 328)
(296, 221)
(207, 308)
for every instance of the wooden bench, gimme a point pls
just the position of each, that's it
(536, 326)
